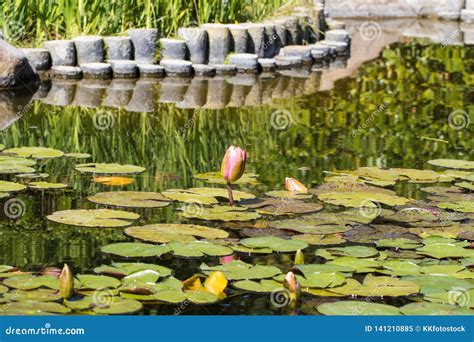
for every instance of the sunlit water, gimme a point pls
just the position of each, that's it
(344, 128)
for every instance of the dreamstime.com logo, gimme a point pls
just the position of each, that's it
(45, 330)
(103, 120)
(459, 119)
(281, 119)
(280, 297)
(103, 297)
(14, 208)
(370, 209)
(370, 30)
(193, 209)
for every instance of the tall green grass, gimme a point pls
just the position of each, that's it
(32, 21)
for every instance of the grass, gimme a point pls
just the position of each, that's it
(29, 22)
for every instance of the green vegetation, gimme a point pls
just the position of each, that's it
(33, 21)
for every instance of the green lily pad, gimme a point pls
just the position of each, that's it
(320, 240)
(263, 286)
(119, 306)
(11, 164)
(38, 295)
(418, 175)
(35, 152)
(239, 270)
(122, 269)
(93, 217)
(359, 265)
(290, 208)
(203, 195)
(11, 186)
(274, 243)
(400, 267)
(357, 308)
(398, 243)
(445, 250)
(462, 206)
(453, 163)
(32, 175)
(216, 178)
(78, 155)
(94, 282)
(201, 297)
(465, 185)
(34, 308)
(220, 213)
(321, 280)
(170, 232)
(362, 199)
(135, 249)
(243, 249)
(109, 168)
(457, 271)
(31, 282)
(309, 269)
(434, 309)
(199, 249)
(46, 185)
(354, 251)
(378, 287)
(438, 283)
(131, 199)
(288, 194)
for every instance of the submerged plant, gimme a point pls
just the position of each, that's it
(233, 167)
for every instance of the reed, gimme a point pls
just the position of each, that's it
(28, 22)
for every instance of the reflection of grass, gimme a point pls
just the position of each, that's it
(37, 20)
(320, 137)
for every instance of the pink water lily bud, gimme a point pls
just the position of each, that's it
(233, 165)
(227, 259)
(292, 184)
(292, 285)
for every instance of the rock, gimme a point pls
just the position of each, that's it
(204, 70)
(15, 71)
(256, 42)
(62, 92)
(337, 36)
(196, 42)
(89, 49)
(281, 31)
(318, 55)
(219, 42)
(67, 72)
(239, 38)
(177, 67)
(124, 68)
(144, 44)
(63, 52)
(341, 48)
(267, 64)
(245, 62)
(173, 48)
(294, 36)
(151, 70)
(272, 42)
(302, 51)
(287, 62)
(97, 70)
(119, 48)
(40, 59)
(324, 49)
(225, 69)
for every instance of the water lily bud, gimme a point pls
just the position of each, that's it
(299, 257)
(233, 165)
(292, 285)
(292, 184)
(66, 282)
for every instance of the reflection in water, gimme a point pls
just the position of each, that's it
(179, 127)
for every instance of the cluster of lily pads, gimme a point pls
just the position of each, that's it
(366, 243)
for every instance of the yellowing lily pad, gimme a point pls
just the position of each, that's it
(169, 232)
(11, 164)
(38, 295)
(216, 178)
(78, 155)
(11, 186)
(462, 206)
(362, 199)
(94, 217)
(94, 282)
(35, 152)
(274, 243)
(46, 185)
(453, 163)
(357, 308)
(203, 195)
(320, 240)
(288, 194)
(131, 199)
(445, 250)
(220, 213)
(109, 168)
(113, 180)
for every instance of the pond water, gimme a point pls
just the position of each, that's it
(393, 112)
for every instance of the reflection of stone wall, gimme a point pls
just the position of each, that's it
(447, 9)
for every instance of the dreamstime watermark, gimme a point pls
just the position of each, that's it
(280, 297)
(193, 209)
(380, 109)
(459, 119)
(370, 30)
(181, 307)
(370, 209)
(281, 119)
(45, 330)
(452, 37)
(189, 122)
(459, 296)
(103, 120)
(103, 297)
(14, 208)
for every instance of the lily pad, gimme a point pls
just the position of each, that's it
(438, 283)
(357, 308)
(109, 168)
(35, 308)
(354, 251)
(78, 155)
(46, 185)
(38, 295)
(199, 249)
(321, 280)
(445, 250)
(402, 243)
(239, 270)
(288, 194)
(453, 163)
(169, 232)
(94, 282)
(434, 309)
(462, 206)
(35, 152)
(263, 286)
(30, 282)
(135, 249)
(378, 287)
(119, 306)
(220, 213)
(131, 199)
(93, 217)
(201, 297)
(113, 180)
(11, 186)
(11, 164)
(320, 240)
(216, 178)
(122, 269)
(362, 199)
(204, 195)
(359, 265)
(274, 243)
(290, 208)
